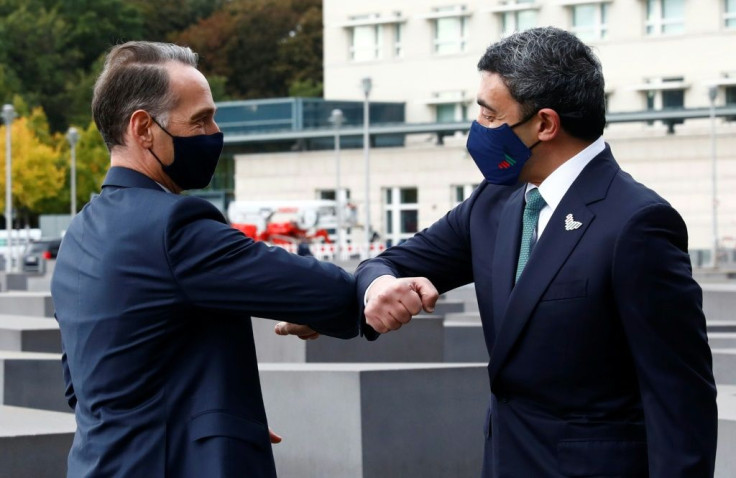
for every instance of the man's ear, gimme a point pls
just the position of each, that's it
(140, 129)
(549, 126)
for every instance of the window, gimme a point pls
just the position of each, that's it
(366, 34)
(329, 221)
(665, 17)
(666, 94)
(730, 14)
(515, 17)
(730, 99)
(590, 21)
(366, 40)
(398, 40)
(450, 30)
(329, 194)
(462, 192)
(447, 113)
(401, 213)
(450, 106)
(451, 112)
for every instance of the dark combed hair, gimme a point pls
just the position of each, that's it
(551, 68)
(135, 78)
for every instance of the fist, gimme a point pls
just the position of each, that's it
(392, 302)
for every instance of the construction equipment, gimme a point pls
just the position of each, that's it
(289, 222)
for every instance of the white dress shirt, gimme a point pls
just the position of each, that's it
(556, 185)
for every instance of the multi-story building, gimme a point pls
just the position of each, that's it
(657, 55)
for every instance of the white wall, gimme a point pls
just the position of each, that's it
(677, 166)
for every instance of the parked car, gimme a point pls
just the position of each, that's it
(38, 252)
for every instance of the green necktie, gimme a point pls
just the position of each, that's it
(534, 204)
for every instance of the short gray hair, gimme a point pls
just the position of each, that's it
(135, 78)
(551, 68)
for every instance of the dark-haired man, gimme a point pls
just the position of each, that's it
(154, 291)
(599, 362)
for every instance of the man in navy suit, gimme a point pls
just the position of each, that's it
(599, 361)
(154, 291)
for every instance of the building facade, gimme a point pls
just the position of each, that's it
(657, 55)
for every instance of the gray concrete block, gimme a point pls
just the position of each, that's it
(466, 294)
(719, 301)
(377, 420)
(39, 284)
(275, 348)
(464, 342)
(722, 340)
(448, 306)
(34, 443)
(419, 341)
(35, 304)
(29, 334)
(724, 366)
(16, 281)
(32, 380)
(725, 456)
(464, 317)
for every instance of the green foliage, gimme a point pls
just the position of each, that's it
(305, 88)
(51, 52)
(93, 161)
(262, 47)
(35, 167)
(49, 48)
(164, 19)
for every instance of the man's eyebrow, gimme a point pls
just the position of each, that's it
(204, 112)
(485, 105)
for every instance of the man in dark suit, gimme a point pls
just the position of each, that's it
(599, 361)
(154, 291)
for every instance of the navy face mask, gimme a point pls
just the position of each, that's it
(195, 159)
(498, 152)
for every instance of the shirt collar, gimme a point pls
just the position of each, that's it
(163, 187)
(556, 185)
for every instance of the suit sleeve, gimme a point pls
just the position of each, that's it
(69, 394)
(440, 253)
(218, 267)
(661, 309)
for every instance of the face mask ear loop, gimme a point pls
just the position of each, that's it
(162, 128)
(150, 150)
(522, 121)
(154, 155)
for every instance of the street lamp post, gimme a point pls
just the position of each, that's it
(367, 85)
(336, 119)
(712, 93)
(8, 116)
(73, 136)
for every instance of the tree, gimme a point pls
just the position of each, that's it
(48, 49)
(163, 19)
(300, 55)
(36, 170)
(262, 47)
(51, 50)
(93, 161)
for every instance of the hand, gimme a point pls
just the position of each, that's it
(392, 302)
(304, 332)
(273, 436)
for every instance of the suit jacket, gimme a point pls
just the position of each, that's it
(153, 294)
(599, 361)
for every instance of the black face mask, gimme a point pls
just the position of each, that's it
(195, 159)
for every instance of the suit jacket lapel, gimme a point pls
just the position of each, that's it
(550, 253)
(506, 254)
